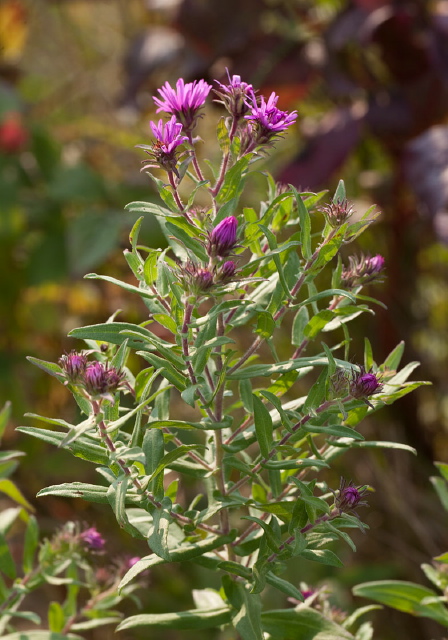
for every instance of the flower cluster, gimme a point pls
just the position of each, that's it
(97, 379)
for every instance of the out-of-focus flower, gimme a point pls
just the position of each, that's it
(222, 239)
(336, 213)
(184, 101)
(74, 365)
(266, 120)
(92, 539)
(13, 134)
(233, 96)
(362, 270)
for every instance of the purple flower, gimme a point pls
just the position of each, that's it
(74, 365)
(233, 95)
(362, 270)
(222, 238)
(100, 380)
(93, 539)
(168, 135)
(266, 120)
(349, 497)
(197, 279)
(184, 101)
(364, 384)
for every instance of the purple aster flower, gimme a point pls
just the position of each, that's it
(222, 239)
(101, 380)
(362, 270)
(184, 102)
(233, 95)
(364, 384)
(266, 120)
(74, 365)
(349, 497)
(93, 539)
(163, 152)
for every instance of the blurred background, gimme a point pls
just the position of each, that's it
(370, 81)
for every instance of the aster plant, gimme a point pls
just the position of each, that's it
(253, 391)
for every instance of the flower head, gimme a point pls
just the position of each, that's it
(197, 279)
(74, 365)
(364, 384)
(362, 270)
(102, 380)
(228, 270)
(337, 212)
(184, 101)
(92, 539)
(233, 95)
(222, 239)
(349, 497)
(163, 152)
(266, 120)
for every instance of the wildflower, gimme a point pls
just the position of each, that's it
(183, 102)
(336, 213)
(266, 120)
(101, 380)
(362, 270)
(233, 96)
(93, 539)
(168, 138)
(349, 497)
(364, 384)
(222, 238)
(74, 365)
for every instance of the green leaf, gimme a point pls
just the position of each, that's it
(49, 367)
(117, 496)
(85, 448)
(56, 617)
(324, 556)
(234, 181)
(7, 565)
(301, 320)
(223, 136)
(158, 537)
(284, 586)
(305, 224)
(404, 596)
(441, 488)
(179, 554)
(302, 624)
(193, 619)
(88, 492)
(187, 241)
(10, 489)
(340, 194)
(246, 619)
(263, 426)
(5, 415)
(394, 358)
(41, 635)
(31, 543)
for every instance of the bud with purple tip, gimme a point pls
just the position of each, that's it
(364, 384)
(362, 270)
(101, 380)
(222, 239)
(73, 365)
(233, 96)
(336, 213)
(228, 270)
(349, 497)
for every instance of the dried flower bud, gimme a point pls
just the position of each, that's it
(92, 539)
(100, 380)
(74, 365)
(222, 239)
(336, 213)
(349, 497)
(362, 270)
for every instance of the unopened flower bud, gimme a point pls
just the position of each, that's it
(349, 497)
(337, 212)
(362, 270)
(228, 270)
(364, 384)
(74, 365)
(233, 96)
(101, 380)
(223, 237)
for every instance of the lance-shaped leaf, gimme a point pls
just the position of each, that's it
(263, 426)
